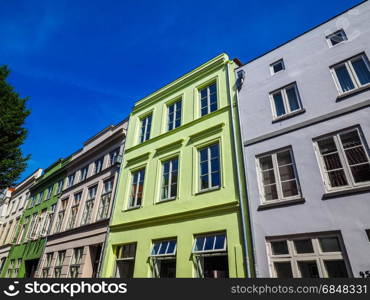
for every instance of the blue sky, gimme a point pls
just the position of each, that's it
(84, 63)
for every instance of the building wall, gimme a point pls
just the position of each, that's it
(192, 212)
(307, 60)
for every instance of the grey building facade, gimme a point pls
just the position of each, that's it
(305, 126)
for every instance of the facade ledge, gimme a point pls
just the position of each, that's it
(281, 203)
(348, 94)
(208, 190)
(347, 192)
(288, 116)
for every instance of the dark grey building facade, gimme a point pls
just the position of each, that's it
(304, 110)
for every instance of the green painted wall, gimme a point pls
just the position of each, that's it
(192, 212)
(33, 249)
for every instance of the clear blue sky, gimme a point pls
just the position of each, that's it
(84, 63)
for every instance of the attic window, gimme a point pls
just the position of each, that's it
(277, 66)
(336, 38)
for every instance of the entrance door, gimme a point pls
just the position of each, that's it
(31, 266)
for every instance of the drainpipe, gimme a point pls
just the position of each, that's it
(105, 244)
(242, 207)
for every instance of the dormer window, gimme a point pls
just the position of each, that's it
(336, 38)
(277, 66)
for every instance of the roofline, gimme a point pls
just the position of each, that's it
(301, 34)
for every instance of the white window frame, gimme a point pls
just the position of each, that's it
(175, 106)
(133, 202)
(49, 192)
(76, 260)
(61, 256)
(157, 258)
(330, 36)
(278, 181)
(280, 61)
(343, 159)
(60, 186)
(209, 174)
(208, 99)
(169, 189)
(119, 256)
(284, 96)
(98, 165)
(317, 255)
(144, 123)
(352, 73)
(82, 172)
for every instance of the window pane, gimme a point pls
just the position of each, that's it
(278, 67)
(270, 192)
(204, 168)
(283, 270)
(361, 173)
(199, 243)
(336, 268)
(292, 98)
(163, 248)
(327, 145)
(308, 269)
(212, 88)
(286, 172)
(337, 178)
(329, 244)
(209, 243)
(204, 183)
(350, 139)
(338, 38)
(344, 78)
(171, 247)
(203, 154)
(220, 241)
(284, 158)
(266, 162)
(303, 246)
(268, 177)
(279, 248)
(289, 188)
(361, 70)
(279, 104)
(214, 151)
(215, 177)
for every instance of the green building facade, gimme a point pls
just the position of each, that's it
(181, 196)
(35, 222)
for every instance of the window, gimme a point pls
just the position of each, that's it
(208, 99)
(209, 164)
(278, 176)
(113, 155)
(137, 187)
(74, 268)
(174, 115)
(71, 180)
(98, 165)
(285, 101)
(47, 265)
(39, 198)
(83, 173)
(344, 160)
(9, 272)
(23, 233)
(74, 209)
(2, 263)
(169, 179)
(163, 256)
(352, 74)
(49, 192)
(336, 38)
(307, 257)
(210, 252)
(86, 216)
(59, 264)
(48, 221)
(60, 186)
(277, 66)
(60, 217)
(33, 226)
(17, 267)
(146, 125)
(125, 261)
(105, 199)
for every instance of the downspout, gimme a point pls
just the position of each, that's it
(242, 207)
(105, 244)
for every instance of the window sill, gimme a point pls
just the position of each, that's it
(208, 190)
(288, 116)
(281, 203)
(132, 208)
(166, 200)
(353, 92)
(346, 192)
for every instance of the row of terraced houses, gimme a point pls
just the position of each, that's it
(232, 170)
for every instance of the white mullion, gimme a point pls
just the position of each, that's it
(285, 100)
(343, 159)
(279, 187)
(169, 178)
(208, 100)
(353, 74)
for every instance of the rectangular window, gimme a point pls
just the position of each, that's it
(89, 205)
(344, 160)
(174, 115)
(59, 264)
(146, 126)
(336, 38)
(137, 187)
(125, 261)
(83, 173)
(23, 234)
(9, 272)
(169, 179)
(49, 192)
(71, 180)
(60, 186)
(278, 176)
(209, 166)
(74, 209)
(98, 165)
(210, 253)
(48, 221)
(285, 101)
(113, 157)
(208, 99)
(17, 267)
(307, 257)
(60, 217)
(39, 198)
(105, 200)
(163, 256)
(352, 74)
(74, 268)
(277, 66)
(33, 226)
(47, 265)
